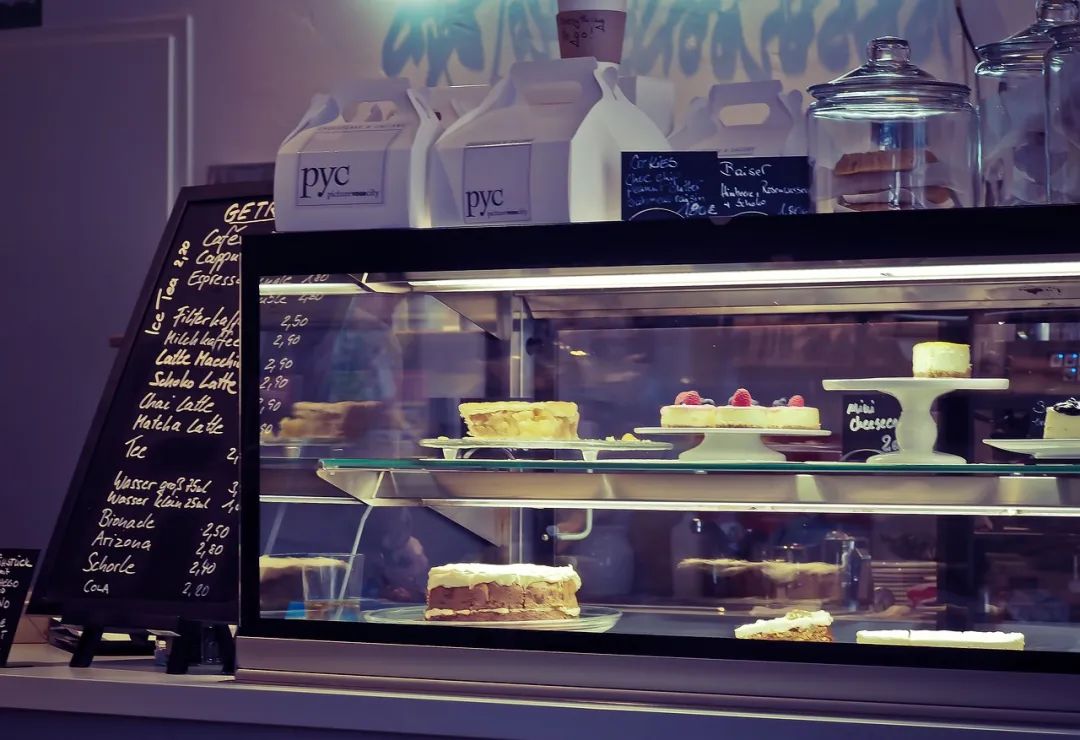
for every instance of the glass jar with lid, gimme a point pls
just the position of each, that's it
(1063, 114)
(1012, 109)
(890, 136)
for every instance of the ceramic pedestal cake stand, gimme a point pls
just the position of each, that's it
(732, 445)
(916, 431)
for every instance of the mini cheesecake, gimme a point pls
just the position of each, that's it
(941, 360)
(792, 413)
(1063, 420)
(690, 411)
(741, 412)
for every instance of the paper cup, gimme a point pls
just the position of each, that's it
(592, 28)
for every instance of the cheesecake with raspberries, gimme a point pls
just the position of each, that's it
(792, 413)
(741, 412)
(691, 411)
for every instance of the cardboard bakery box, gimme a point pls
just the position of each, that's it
(653, 95)
(451, 103)
(357, 160)
(744, 119)
(544, 147)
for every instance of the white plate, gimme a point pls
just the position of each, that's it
(1040, 449)
(734, 430)
(589, 448)
(916, 431)
(592, 619)
(724, 445)
(942, 385)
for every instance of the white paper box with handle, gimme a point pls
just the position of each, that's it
(357, 160)
(653, 95)
(544, 147)
(777, 134)
(451, 103)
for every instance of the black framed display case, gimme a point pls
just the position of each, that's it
(359, 475)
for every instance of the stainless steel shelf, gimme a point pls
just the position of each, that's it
(833, 492)
(299, 499)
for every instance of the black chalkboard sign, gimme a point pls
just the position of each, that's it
(148, 532)
(869, 425)
(659, 185)
(16, 572)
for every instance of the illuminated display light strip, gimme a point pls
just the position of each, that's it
(309, 289)
(742, 278)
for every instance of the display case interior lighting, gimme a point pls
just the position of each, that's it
(309, 289)
(744, 278)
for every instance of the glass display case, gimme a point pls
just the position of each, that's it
(668, 457)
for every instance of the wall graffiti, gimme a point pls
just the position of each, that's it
(732, 39)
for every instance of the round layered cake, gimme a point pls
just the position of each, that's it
(522, 420)
(478, 592)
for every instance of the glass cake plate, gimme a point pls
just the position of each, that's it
(592, 619)
(589, 448)
(1040, 449)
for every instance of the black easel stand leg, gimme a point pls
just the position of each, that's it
(86, 646)
(185, 647)
(226, 648)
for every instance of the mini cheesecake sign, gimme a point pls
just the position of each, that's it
(870, 422)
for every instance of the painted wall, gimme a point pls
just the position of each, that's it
(257, 62)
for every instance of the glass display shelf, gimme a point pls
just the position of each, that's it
(662, 466)
(973, 490)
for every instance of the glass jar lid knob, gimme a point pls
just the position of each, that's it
(1057, 12)
(889, 51)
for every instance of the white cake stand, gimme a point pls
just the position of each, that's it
(732, 445)
(916, 431)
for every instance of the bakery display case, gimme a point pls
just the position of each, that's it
(668, 459)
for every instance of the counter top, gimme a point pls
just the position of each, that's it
(39, 679)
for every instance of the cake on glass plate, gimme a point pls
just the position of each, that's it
(942, 638)
(522, 420)
(690, 410)
(1063, 420)
(478, 592)
(941, 360)
(797, 626)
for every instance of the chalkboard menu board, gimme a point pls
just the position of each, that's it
(870, 423)
(16, 572)
(659, 185)
(148, 532)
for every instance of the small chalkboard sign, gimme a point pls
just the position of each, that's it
(659, 185)
(870, 423)
(148, 532)
(16, 572)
